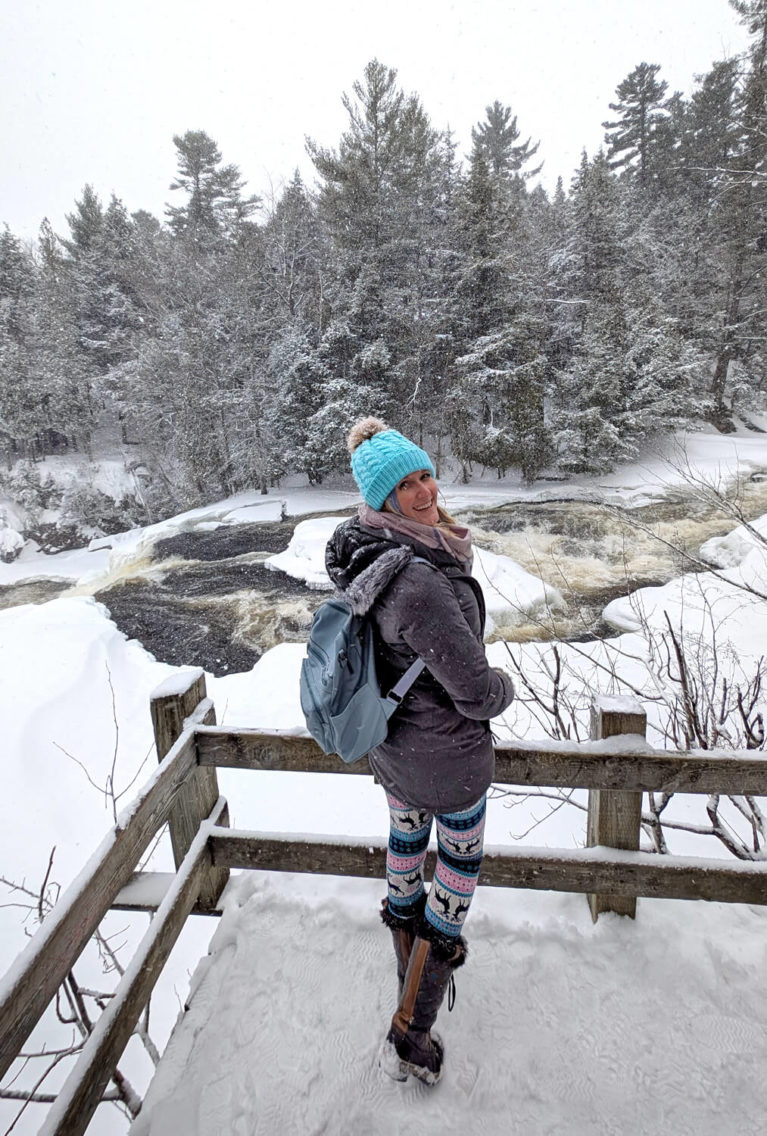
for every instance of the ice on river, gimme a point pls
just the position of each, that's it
(511, 594)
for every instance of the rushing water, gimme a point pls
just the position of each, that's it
(593, 552)
(206, 598)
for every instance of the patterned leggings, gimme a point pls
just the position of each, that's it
(460, 838)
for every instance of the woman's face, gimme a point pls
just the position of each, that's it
(417, 497)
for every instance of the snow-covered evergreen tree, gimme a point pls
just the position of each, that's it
(215, 209)
(590, 396)
(632, 137)
(382, 203)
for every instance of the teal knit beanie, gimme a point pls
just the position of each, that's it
(381, 457)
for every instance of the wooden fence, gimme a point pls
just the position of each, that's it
(184, 793)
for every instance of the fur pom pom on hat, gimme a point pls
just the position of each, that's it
(364, 430)
(381, 457)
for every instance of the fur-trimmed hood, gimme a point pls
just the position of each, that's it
(362, 564)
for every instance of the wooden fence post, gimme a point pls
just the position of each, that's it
(614, 817)
(171, 704)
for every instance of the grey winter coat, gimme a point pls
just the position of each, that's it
(438, 754)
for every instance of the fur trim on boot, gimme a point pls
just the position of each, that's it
(425, 1055)
(396, 922)
(444, 947)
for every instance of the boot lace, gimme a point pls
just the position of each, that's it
(451, 993)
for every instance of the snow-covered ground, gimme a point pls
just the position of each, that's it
(560, 1026)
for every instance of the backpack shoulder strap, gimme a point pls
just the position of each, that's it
(402, 686)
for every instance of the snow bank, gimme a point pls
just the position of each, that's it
(77, 565)
(11, 542)
(304, 558)
(265, 698)
(726, 604)
(61, 662)
(512, 595)
(74, 698)
(731, 550)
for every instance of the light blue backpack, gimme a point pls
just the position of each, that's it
(341, 697)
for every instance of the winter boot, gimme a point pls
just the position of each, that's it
(410, 1046)
(403, 928)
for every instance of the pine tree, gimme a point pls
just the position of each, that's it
(482, 236)
(294, 255)
(739, 222)
(45, 378)
(105, 302)
(85, 223)
(299, 378)
(633, 138)
(685, 232)
(496, 138)
(711, 131)
(590, 396)
(381, 202)
(19, 421)
(16, 281)
(215, 210)
(500, 378)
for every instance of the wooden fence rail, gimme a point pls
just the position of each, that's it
(83, 1088)
(599, 869)
(184, 793)
(588, 765)
(39, 970)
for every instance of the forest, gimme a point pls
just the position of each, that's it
(235, 340)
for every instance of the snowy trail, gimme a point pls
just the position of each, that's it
(559, 1027)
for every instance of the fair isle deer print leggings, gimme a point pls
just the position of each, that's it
(460, 838)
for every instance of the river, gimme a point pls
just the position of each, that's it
(205, 598)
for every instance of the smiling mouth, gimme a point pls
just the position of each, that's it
(420, 508)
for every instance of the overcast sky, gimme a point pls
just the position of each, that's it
(93, 91)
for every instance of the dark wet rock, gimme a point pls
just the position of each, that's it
(599, 630)
(64, 536)
(593, 604)
(218, 614)
(226, 541)
(225, 578)
(179, 631)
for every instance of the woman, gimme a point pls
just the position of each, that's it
(437, 760)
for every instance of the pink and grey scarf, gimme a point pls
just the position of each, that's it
(453, 538)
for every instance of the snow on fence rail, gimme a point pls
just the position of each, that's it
(616, 766)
